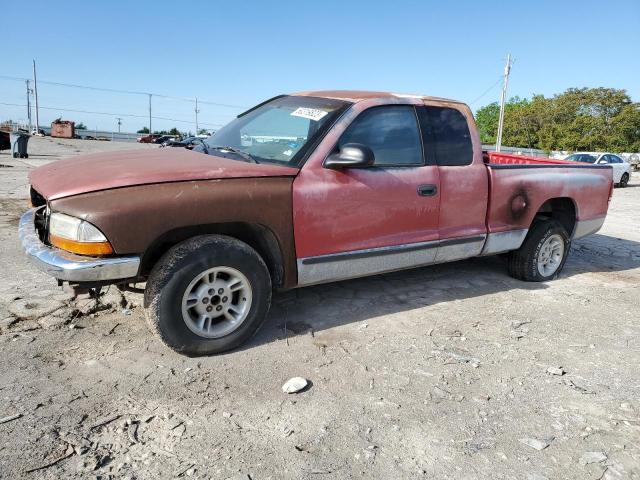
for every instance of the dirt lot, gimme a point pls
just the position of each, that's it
(438, 372)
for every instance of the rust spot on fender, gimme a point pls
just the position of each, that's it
(519, 203)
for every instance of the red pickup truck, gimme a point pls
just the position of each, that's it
(302, 189)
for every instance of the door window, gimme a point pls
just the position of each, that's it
(391, 132)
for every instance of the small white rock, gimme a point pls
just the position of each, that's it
(556, 371)
(535, 443)
(294, 385)
(592, 457)
(627, 407)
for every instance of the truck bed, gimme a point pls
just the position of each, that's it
(520, 186)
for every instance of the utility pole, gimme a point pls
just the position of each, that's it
(197, 111)
(35, 91)
(503, 96)
(28, 104)
(119, 123)
(149, 113)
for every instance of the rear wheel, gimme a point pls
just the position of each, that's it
(624, 180)
(207, 295)
(543, 253)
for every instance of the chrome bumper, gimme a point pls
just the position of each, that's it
(587, 227)
(68, 266)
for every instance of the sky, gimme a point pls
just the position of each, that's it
(243, 52)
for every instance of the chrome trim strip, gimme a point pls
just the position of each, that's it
(370, 252)
(360, 263)
(500, 242)
(453, 249)
(68, 266)
(587, 227)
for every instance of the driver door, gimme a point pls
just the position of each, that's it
(359, 221)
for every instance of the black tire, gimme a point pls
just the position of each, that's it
(523, 263)
(15, 154)
(174, 272)
(624, 180)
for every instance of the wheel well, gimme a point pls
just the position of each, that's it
(258, 237)
(562, 209)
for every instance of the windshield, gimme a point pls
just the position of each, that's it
(279, 131)
(583, 157)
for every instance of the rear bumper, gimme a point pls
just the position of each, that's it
(68, 266)
(587, 227)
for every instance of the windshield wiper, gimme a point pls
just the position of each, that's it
(240, 153)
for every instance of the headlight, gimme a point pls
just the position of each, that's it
(77, 236)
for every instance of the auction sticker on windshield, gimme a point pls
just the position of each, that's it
(310, 113)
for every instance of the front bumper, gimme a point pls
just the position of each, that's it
(69, 266)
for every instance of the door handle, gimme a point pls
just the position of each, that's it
(427, 190)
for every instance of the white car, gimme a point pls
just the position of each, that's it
(621, 169)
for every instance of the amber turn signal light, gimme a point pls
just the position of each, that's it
(81, 248)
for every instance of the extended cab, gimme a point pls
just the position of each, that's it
(302, 189)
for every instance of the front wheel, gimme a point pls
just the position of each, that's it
(543, 253)
(207, 295)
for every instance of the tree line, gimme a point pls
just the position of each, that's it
(174, 131)
(580, 119)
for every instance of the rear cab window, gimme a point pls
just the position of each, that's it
(446, 136)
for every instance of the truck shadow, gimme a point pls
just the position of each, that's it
(318, 308)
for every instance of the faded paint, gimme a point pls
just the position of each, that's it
(314, 211)
(459, 215)
(355, 209)
(517, 194)
(103, 171)
(135, 218)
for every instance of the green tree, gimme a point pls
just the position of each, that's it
(487, 121)
(143, 130)
(594, 119)
(174, 131)
(203, 131)
(81, 126)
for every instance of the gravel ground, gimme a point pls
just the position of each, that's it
(454, 371)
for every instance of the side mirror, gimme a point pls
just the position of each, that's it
(351, 155)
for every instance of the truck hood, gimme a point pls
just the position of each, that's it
(103, 171)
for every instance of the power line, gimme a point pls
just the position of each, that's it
(132, 115)
(129, 92)
(487, 90)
